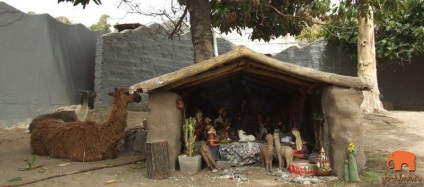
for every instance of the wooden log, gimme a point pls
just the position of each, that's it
(157, 163)
(239, 54)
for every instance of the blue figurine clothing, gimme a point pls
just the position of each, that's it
(213, 146)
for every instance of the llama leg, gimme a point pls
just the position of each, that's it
(289, 159)
(280, 159)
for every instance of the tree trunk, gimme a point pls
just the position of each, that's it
(367, 66)
(201, 29)
(157, 164)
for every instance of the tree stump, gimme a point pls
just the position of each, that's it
(157, 160)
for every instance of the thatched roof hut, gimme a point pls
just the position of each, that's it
(324, 106)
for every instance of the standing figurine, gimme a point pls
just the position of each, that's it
(212, 141)
(351, 169)
(200, 126)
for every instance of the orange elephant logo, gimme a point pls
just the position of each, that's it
(399, 158)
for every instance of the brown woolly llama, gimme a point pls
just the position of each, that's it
(68, 114)
(267, 152)
(84, 140)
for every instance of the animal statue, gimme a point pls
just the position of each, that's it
(284, 151)
(67, 114)
(84, 140)
(262, 132)
(82, 109)
(244, 137)
(299, 143)
(267, 152)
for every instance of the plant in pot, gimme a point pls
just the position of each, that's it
(190, 162)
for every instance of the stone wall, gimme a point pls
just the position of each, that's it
(133, 56)
(320, 56)
(43, 64)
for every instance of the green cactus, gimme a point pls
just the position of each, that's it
(189, 136)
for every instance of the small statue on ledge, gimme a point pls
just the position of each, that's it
(244, 137)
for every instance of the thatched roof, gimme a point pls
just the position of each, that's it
(250, 65)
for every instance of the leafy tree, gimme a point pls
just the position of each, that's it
(64, 20)
(270, 19)
(82, 2)
(102, 24)
(398, 36)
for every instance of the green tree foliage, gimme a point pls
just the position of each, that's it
(311, 33)
(64, 20)
(399, 33)
(267, 19)
(82, 2)
(102, 24)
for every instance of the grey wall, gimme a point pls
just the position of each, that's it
(43, 64)
(318, 55)
(400, 84)
(133, 56)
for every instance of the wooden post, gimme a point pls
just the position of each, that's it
(157, 160)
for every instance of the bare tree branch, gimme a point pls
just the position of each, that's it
(179, 23)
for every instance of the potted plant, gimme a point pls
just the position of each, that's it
(190, 162)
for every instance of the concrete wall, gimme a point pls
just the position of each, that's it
(399, 83)
(43, 64)
(402, 84)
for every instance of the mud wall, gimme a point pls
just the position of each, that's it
(164, 123)
(341, 107)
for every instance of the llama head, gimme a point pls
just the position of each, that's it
(88, 93)
(124, 95)
(241, 132)
(276, 133)
(269, 138)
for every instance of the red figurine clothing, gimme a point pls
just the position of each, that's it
(198, 129)
(211, 140)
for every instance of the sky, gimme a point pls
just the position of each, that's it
(92, 12)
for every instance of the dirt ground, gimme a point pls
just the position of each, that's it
(395, 130)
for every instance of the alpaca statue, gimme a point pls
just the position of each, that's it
(262, 132)
(244, 137)
(67, 114)
(84, 140)
(267, 152)
(284, 151)
(82, 109)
